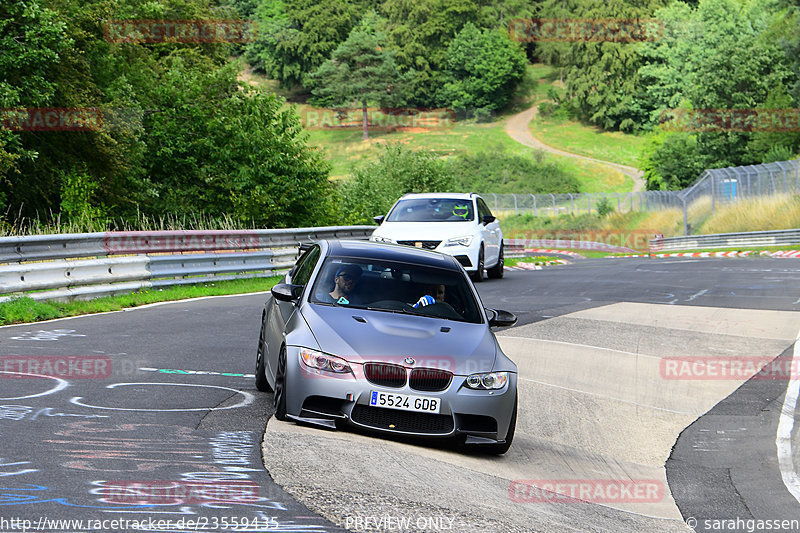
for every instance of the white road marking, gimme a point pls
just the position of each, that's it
(785, 426)
(248, 399)
(585, 346)
(606, 397)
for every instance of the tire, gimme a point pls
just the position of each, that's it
(279, 394)
(496, 272)
(477, 277)
(262, 383)
(500, 449)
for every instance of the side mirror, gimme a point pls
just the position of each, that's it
(488, 219)
(379, 219)
(286, 292)
(501, 319)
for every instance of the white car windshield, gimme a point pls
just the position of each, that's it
(396, 287)
(432, 210)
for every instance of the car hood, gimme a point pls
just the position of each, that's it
(429, 231)
(392, 337)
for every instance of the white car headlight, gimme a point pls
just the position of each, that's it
(382, 239)
(487, 381)
(466, 240)
(322, 361)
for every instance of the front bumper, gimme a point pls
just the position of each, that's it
(466, 255)
(321, 398)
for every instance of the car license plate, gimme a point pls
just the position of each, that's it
(419, 404)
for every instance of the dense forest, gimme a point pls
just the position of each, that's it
(172, 130)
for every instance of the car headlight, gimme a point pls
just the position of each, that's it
(321, 361)
(487, 381)
(466, 240)
(382, 239)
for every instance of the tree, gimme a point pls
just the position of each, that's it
(361, 70)
(741, 40)
(482, 70)
(601, 77)
(296, 36)
(768, 146)
(217, 150)
(420, 31)
(32, 40)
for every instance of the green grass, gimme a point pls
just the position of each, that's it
(591, 141)
(577, 138)
(24, 309)
(536, 260)
(345, 148)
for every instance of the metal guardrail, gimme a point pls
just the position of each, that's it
(56, 266)
(789, 237)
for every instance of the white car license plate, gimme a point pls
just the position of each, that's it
(419, 404)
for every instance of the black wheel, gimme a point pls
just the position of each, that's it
(499, 449)
(279, 396)
(496, 272)
(478, 275)
(261, 377)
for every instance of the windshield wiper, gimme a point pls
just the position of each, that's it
(401, 311)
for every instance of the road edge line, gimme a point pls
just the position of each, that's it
(783, 439)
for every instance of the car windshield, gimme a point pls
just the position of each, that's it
(394, 287)
(432, 210)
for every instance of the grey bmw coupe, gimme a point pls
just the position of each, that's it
(389, 338)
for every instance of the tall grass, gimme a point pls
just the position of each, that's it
(58, 224)
(757, 214)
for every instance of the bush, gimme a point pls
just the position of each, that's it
(501, 172)
(375, 186)
(604, 207)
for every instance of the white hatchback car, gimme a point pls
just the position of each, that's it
(456, 224)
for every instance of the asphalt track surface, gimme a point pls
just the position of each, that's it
(158, 403)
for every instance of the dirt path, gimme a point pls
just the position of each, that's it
(517, 129)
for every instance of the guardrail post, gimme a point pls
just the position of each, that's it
(589, 200)
(515, 204)
(572, 204)
(555, 213)
(534, 205)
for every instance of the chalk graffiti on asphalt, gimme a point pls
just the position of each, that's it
(61, 384)
(21, 412)
(47, 336)
(19, 472)
(29, 494)
(247, 398)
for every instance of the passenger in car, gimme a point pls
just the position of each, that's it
(433, 294)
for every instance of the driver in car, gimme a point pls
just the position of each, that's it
(344, 283)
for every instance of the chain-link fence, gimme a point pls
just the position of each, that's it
(714, 186)
(560, 204)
